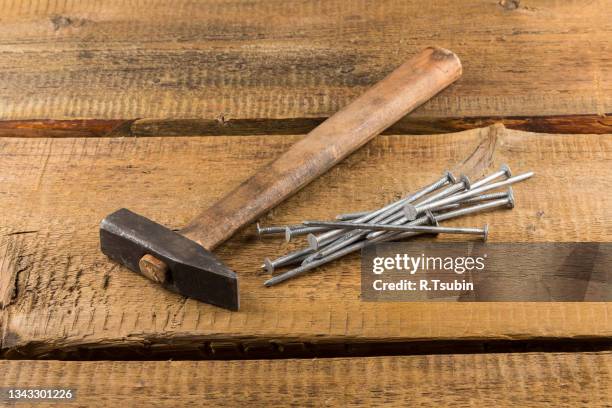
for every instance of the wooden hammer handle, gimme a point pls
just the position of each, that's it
(413, 83)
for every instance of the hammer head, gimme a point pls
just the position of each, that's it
(193, 271)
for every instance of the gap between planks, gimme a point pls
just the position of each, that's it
(566, 124)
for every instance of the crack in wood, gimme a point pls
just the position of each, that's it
(588, 124)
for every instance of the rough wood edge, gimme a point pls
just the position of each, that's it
(528, 379)
(567, 124)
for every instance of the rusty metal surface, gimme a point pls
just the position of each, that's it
(126, 237)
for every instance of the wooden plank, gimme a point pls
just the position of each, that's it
(58, 292)
(530, 379)
(274, 59)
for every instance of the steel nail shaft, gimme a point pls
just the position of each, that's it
(400, 218)
(352, 216)
(400, 228)
(275, 229)
(287, 259)
(503, 171)
(412, 211)
(477, 199)
(302, 230)
(316, 241)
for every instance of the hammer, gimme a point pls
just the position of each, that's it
(182, 261)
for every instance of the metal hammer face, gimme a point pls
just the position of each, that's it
(126, 237)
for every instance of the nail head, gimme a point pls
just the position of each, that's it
(288, 234)
(466, 181)
(451, 177)
(432, 218)
(312, 241)
(410, 212)
(510, 198)
(268, 265)
(506, 169)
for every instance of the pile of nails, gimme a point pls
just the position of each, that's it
(417, 213)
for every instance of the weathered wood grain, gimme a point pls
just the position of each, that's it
(302, 59)
(503, 380)
(58, 292)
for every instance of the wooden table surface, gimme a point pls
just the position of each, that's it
(93, 99)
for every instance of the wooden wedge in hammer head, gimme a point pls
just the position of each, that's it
(182, 261)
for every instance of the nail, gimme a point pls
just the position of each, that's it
(464, 181)
(487, 197)
(352, 216)
(398, 228)
(287, 259)
(412, 211)
(275, 229)
(352, 236)
(334, 247)
(483, 197)
(305, 268)
(508, 201)
(463, 184)
(467, 184)
(338, 254)
(294, 232)
(400, 219)
(504, 170)
(268, 265)
(316, 241)
(505, 202)
(449, 191)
